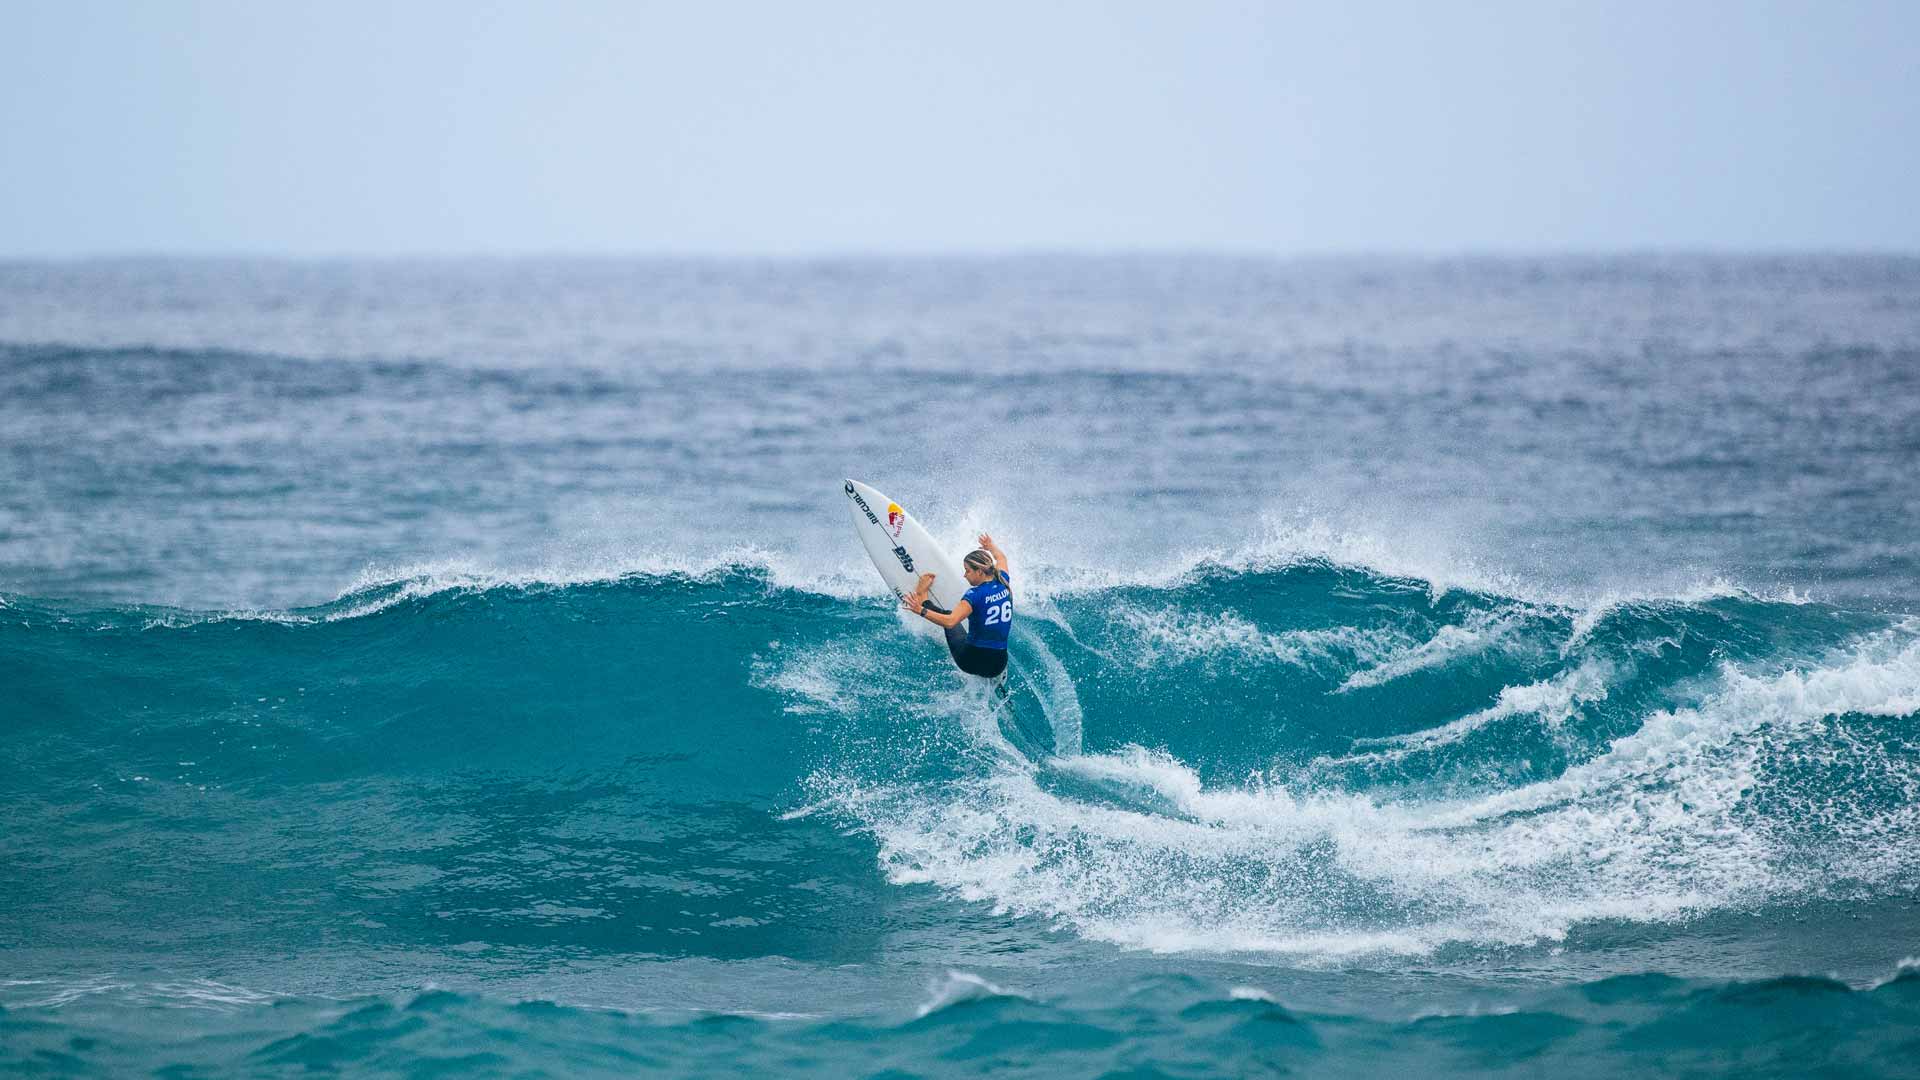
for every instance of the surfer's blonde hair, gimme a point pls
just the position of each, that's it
(982, 560)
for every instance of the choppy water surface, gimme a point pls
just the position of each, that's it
(1437, 666)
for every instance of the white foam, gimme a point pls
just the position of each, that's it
(1481, 631)
(858, 677)
(1277, 543)
(960, 987)
(1053, 688)
(1590, 613)
(1659, 826)
(1169, 633)
(52, 994)
(1553, 700)
(378, 588)
(600, 568)
(204, 994)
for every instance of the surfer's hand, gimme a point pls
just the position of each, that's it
(913, 605)
(986, 541)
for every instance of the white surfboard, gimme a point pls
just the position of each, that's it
(901, 548)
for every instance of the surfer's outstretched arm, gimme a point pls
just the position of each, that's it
(993, 549)
(917, 603)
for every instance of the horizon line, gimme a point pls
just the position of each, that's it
(965, 254)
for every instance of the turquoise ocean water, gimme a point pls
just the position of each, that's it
(1448, 667)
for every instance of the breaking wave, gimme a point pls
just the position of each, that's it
(1310, 759)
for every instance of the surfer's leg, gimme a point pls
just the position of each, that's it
(957, 644)
(986, 663)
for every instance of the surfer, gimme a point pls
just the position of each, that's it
(987, 609)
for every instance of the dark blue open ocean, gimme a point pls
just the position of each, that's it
(1427, 668)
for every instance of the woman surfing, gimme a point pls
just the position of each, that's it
(987, 609)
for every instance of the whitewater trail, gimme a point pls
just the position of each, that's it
(1657, 824)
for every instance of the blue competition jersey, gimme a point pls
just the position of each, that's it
(992, 616)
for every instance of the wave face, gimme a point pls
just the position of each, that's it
(1311, 761)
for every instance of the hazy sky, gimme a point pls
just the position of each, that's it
(410, 127)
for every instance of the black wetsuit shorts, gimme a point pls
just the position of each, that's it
(972, 659)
